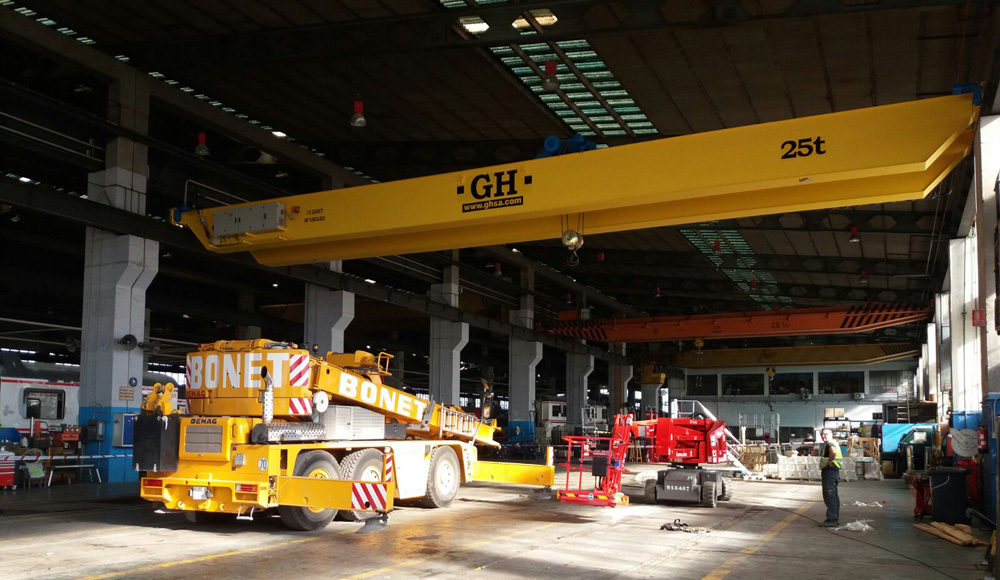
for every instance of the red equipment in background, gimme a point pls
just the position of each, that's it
(606, 465)
(683, 441)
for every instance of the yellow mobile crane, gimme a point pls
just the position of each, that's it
(300, 442)
(270, 425)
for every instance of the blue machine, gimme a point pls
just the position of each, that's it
(965, 419)
(893, 433)
(9, 435)
(521, 433)
(555, 146)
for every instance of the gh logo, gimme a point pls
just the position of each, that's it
(497, 184)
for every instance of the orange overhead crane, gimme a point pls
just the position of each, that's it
(794, 322)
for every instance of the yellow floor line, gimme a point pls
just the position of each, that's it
(58, 537)
(727, 566)
(206, 558)
(199, 559)
(414, 561)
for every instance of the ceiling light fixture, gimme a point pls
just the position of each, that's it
(657, 294)
(855, 238)
(864, 276)
(201, 149)
(550, 82)
(358, 118)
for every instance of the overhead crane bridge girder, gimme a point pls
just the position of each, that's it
(876, 155)
(795, 322)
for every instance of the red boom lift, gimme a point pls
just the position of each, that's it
(687, 444)
(607, 460)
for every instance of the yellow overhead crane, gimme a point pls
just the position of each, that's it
(274, 442)
(874, 155)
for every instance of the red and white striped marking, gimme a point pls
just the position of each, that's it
(387, 468)
(298, 370)
(368, 496)
(300, 406)
(6, 473)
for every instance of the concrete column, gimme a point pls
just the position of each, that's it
(578, 368)
(523, 358)
(988, 167)
(965, 358)
(942, 317)
(447, 340)
(245, 303)
(399, 366)
(327, 315)
(117, 271)
(650, 382)
(650, 393)
(619, 376)
(931, 387)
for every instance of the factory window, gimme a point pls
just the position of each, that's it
(791, 383)
(705, 385)
(842, 383)
(44, 404)
(743, 385)
(890, 383)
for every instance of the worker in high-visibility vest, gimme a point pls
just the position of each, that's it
(830, 461)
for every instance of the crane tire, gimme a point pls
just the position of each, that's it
(202, 518)
(727, 492)
(708, 495)
(363, 465)
(319, 464)
(444, 476)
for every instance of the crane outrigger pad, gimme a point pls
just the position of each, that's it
(338, 494)
(874, 155)
(521, 473)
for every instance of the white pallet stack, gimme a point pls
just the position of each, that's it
(808, 468)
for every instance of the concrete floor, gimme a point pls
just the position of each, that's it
(768, 531)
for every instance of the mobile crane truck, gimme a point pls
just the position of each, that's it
(272, 426)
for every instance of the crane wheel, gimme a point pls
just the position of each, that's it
(203, 518)
(443, 478)
(650, 490)
(708, 495)
(727, 492)
(363, 465)
(318, 464)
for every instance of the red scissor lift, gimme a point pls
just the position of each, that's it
(606, 456)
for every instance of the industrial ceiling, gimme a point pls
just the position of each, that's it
(456, 84)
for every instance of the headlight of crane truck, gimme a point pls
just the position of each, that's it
(271, 426)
